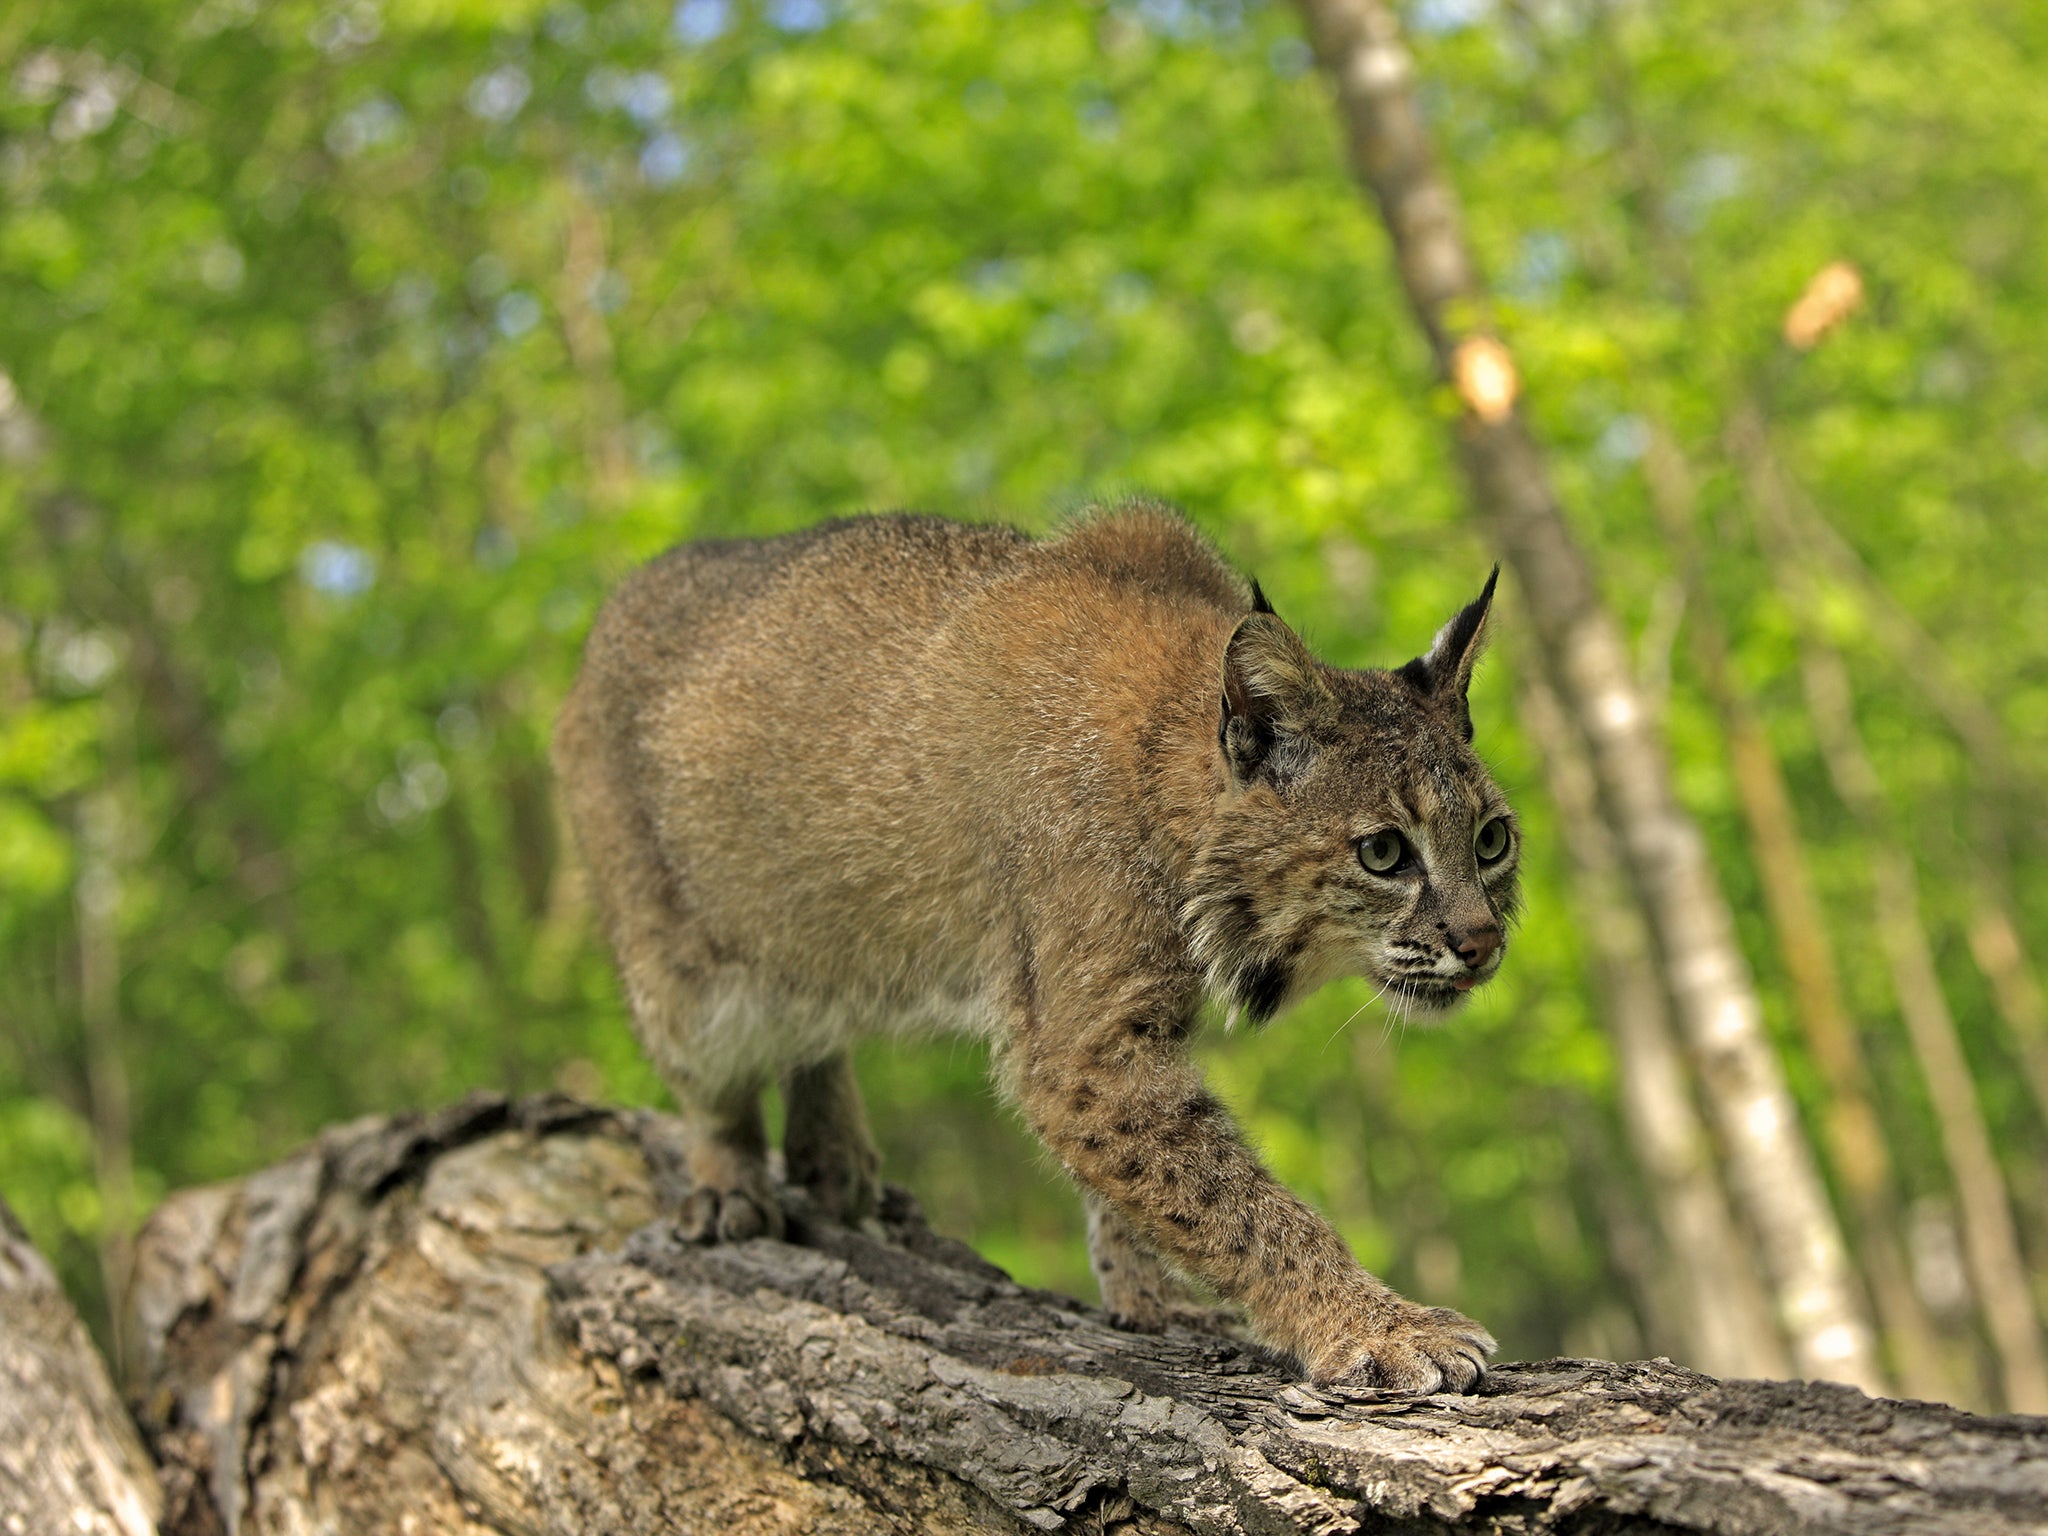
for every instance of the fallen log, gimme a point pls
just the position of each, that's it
(477, 1321)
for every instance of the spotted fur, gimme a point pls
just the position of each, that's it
(899, 773)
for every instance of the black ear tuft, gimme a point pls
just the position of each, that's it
(1259, 602)
(1445, 673)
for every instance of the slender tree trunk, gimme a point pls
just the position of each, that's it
(1919, 655)
(96, 905)
(590, 345)
(1855, 1135)
(1995, 946)
(1810, 538)
(1990, 1241)
(1713, 1303)
(1581, 651)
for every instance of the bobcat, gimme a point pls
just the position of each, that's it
(897, 773)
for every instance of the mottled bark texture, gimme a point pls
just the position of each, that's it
(70, 1460)
(479, 1321)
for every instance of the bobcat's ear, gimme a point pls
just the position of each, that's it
(1445, 673)
(1270, 693)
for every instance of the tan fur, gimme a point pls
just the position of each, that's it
(897, 773)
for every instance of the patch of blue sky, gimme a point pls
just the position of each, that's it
(799, 15)
(1705, 182)
(1542, 263)
(1186, 20)
(1439, 18)
(1623, 440)
(497, 95)
(336, 568)
(366, 125)
(697, 22)
(517, 313)
(664, 159)
(646, 96)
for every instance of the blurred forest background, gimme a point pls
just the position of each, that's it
(351, 351)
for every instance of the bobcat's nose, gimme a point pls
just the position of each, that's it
(1475, 946)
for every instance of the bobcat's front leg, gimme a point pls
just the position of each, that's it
(1139, 1289)
(1113, 1094)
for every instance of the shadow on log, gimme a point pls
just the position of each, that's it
(475, 1321)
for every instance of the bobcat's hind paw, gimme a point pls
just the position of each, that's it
(728, 1215)
(1422, 1349)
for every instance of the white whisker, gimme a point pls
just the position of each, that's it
(1355, 1013)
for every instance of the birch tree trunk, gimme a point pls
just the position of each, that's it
(1581, 651)
(1807, 537)
(1721, 1313)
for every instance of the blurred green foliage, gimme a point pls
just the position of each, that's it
(352, 350)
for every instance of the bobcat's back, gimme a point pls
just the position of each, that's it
(851, 757)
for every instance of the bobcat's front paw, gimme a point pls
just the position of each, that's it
(1421, 1349)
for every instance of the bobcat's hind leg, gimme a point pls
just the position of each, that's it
(826, 1145)
(1139, 1291)
(667, 970)
(731, 1197)
(718, 1094)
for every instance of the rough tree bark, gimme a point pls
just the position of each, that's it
(474, 1321)
(1772, 1168)
(70, 1459)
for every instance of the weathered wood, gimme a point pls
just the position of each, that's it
(70, 1459)
(477, 1321)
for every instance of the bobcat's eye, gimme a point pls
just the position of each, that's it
(1383, 852)
(1492, 841)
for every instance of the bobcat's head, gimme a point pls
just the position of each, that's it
(1357, 833)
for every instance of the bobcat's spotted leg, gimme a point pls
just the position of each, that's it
(826, 1145)
(1103, 1076)
(1139, 1291)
